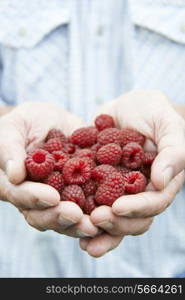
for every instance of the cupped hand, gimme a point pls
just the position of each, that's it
(150, 113)
(22, 129)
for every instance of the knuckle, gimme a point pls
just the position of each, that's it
(162, 206)
(142, 230)
(147, 223)
(33, 224)
(12, 197)
(35, 202)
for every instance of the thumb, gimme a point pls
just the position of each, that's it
(12, 154)
(71, 123)
(171, 152)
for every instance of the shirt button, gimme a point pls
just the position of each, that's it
(99, 30)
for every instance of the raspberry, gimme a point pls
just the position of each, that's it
(85, 153)
(130, 135)
(89, 187)
(85, 136)
(53, 144)
(60, 159)
(104, 121)
(149, 157)
(39, 164)
(74, 193)
(90, 161)
(135, 182)
(90, 167)
(110, 190)
(109, 154)
(55, 179)
(56, 133)
(69, 148)
(133, 155)
(96, 147)
(101, 172)
(77, 170)
(89, 205)
(109, 135)
(123, 171)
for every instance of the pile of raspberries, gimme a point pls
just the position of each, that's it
(94, 166)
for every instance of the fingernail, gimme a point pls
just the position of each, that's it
(65, 222)
(125, 214)
(82, 234)
(106, 225)
(84, 244)
(45, 203)
(167, 176)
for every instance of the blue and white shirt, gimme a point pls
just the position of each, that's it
(80, 54)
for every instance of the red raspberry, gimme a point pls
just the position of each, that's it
(110, 190)
(96, 147)
(101, 172)
(135, 182)
(109, 154)
(89, 205)
(91, 162)
(104, 121)
(109, 135)
(133, 155)
(60, 159)
(55, 179)
(74, 193)
(54, 144)
(85, 136)
(123, 171)
(56, 133)
(69, 148)
(89, 187)
(85, 153)
(39, 164)
(130, 135)
(149, 157)
(77, 170)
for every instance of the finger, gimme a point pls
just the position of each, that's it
(149, 146)
(84, 228)
(12, 151)
(28, 195)
(100, 245)
(33, 195)
(57, 218)
(116, 225)
(170, 138)
(71, 123)
(66, 218)
(84, 243)
(149, 203)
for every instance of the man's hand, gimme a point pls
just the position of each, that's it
(150, 113)
(22, 129)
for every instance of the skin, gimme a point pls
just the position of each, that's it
(151, 113)
(24, 128)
